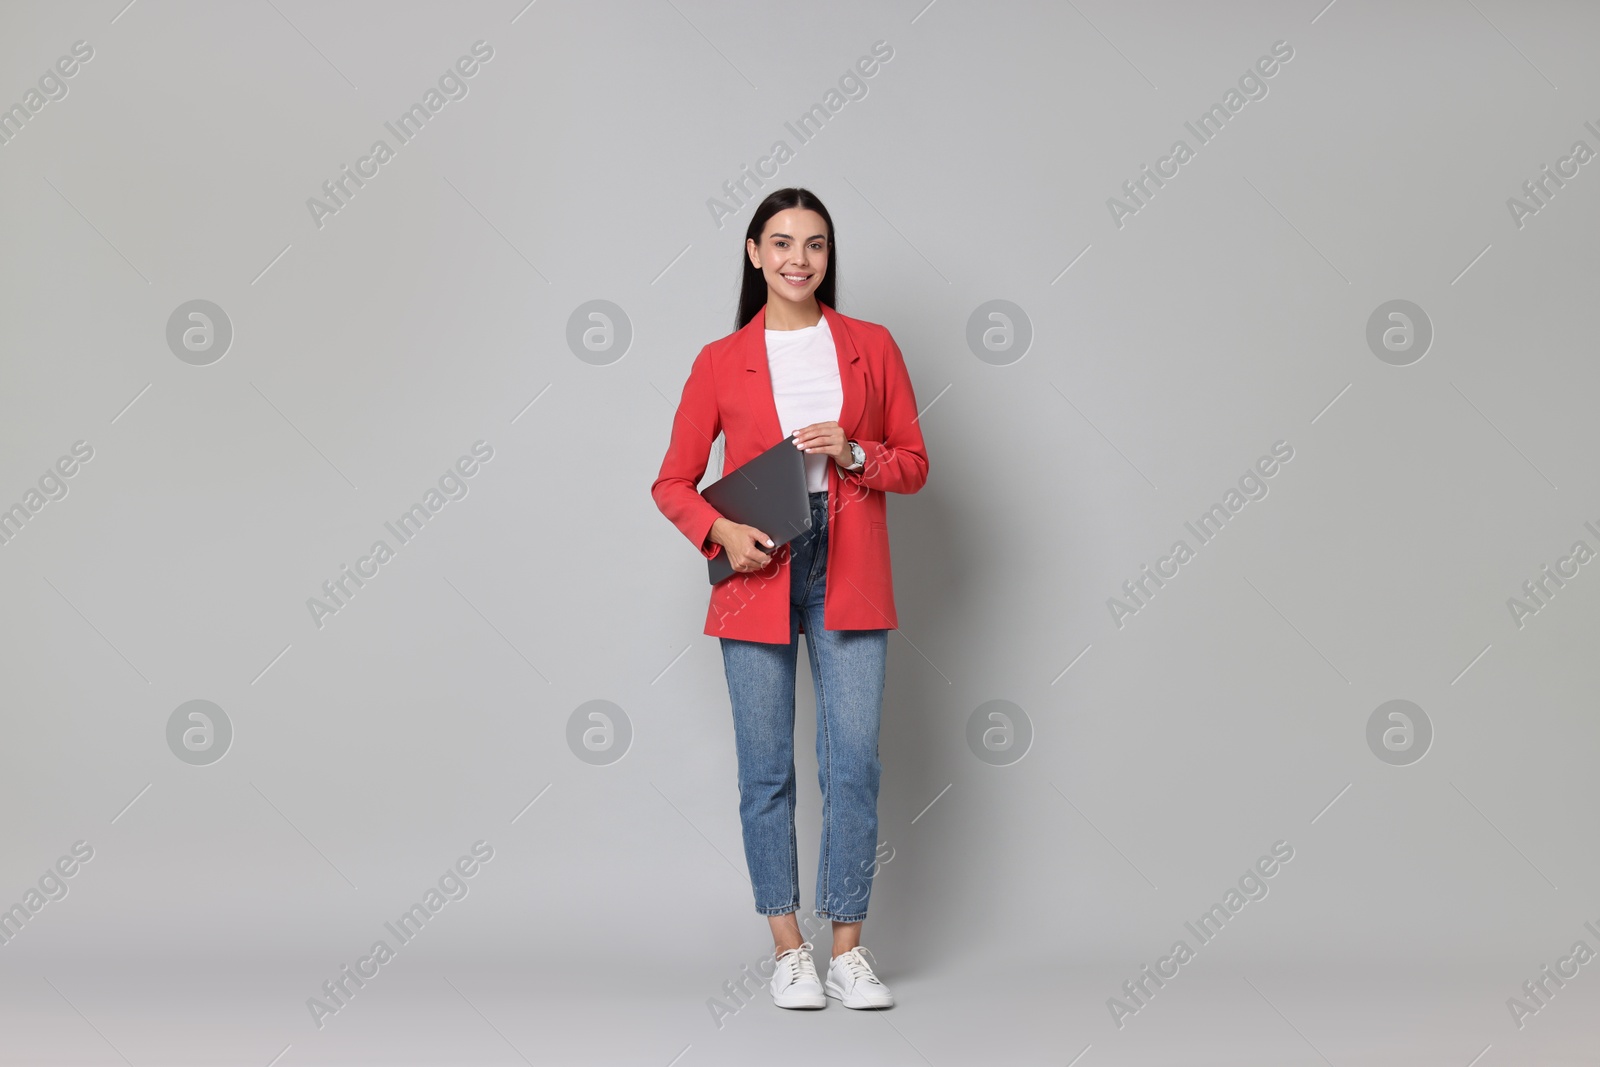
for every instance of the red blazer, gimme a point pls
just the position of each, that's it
(730, 391)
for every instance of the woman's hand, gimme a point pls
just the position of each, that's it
(742, 544)
(826, 438)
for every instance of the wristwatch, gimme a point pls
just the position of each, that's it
(858, 457)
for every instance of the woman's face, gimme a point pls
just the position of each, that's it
(793, 255)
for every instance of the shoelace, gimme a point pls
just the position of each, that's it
(857, 966)
(793, 959)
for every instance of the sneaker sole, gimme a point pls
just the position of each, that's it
(838, 994)
(803, 1003)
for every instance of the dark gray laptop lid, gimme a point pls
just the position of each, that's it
(769, 493)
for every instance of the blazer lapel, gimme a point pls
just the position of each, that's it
(758, 380)
(852, 381)
(758, 376)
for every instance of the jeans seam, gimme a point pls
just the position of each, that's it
(794, 853)
(828, 814)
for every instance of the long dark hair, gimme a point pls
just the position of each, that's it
(753, 289)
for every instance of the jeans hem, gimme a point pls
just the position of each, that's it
(841, 918)
(783, 910)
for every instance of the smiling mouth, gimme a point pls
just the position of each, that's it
(796, 279)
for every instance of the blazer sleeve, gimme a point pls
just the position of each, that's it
(898, 463)
(694, 427)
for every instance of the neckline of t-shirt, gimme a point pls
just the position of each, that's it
(820, 323)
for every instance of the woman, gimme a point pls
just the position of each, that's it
(794, 364)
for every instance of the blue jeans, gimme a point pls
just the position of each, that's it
(847, 669)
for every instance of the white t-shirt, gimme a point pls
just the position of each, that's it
(805, 386)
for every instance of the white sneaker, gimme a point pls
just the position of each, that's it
(851, 981)
(794, 984)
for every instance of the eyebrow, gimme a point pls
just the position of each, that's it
(813, 237)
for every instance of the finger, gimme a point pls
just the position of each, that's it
(761, 538)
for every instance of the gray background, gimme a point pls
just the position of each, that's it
(1168, 355)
